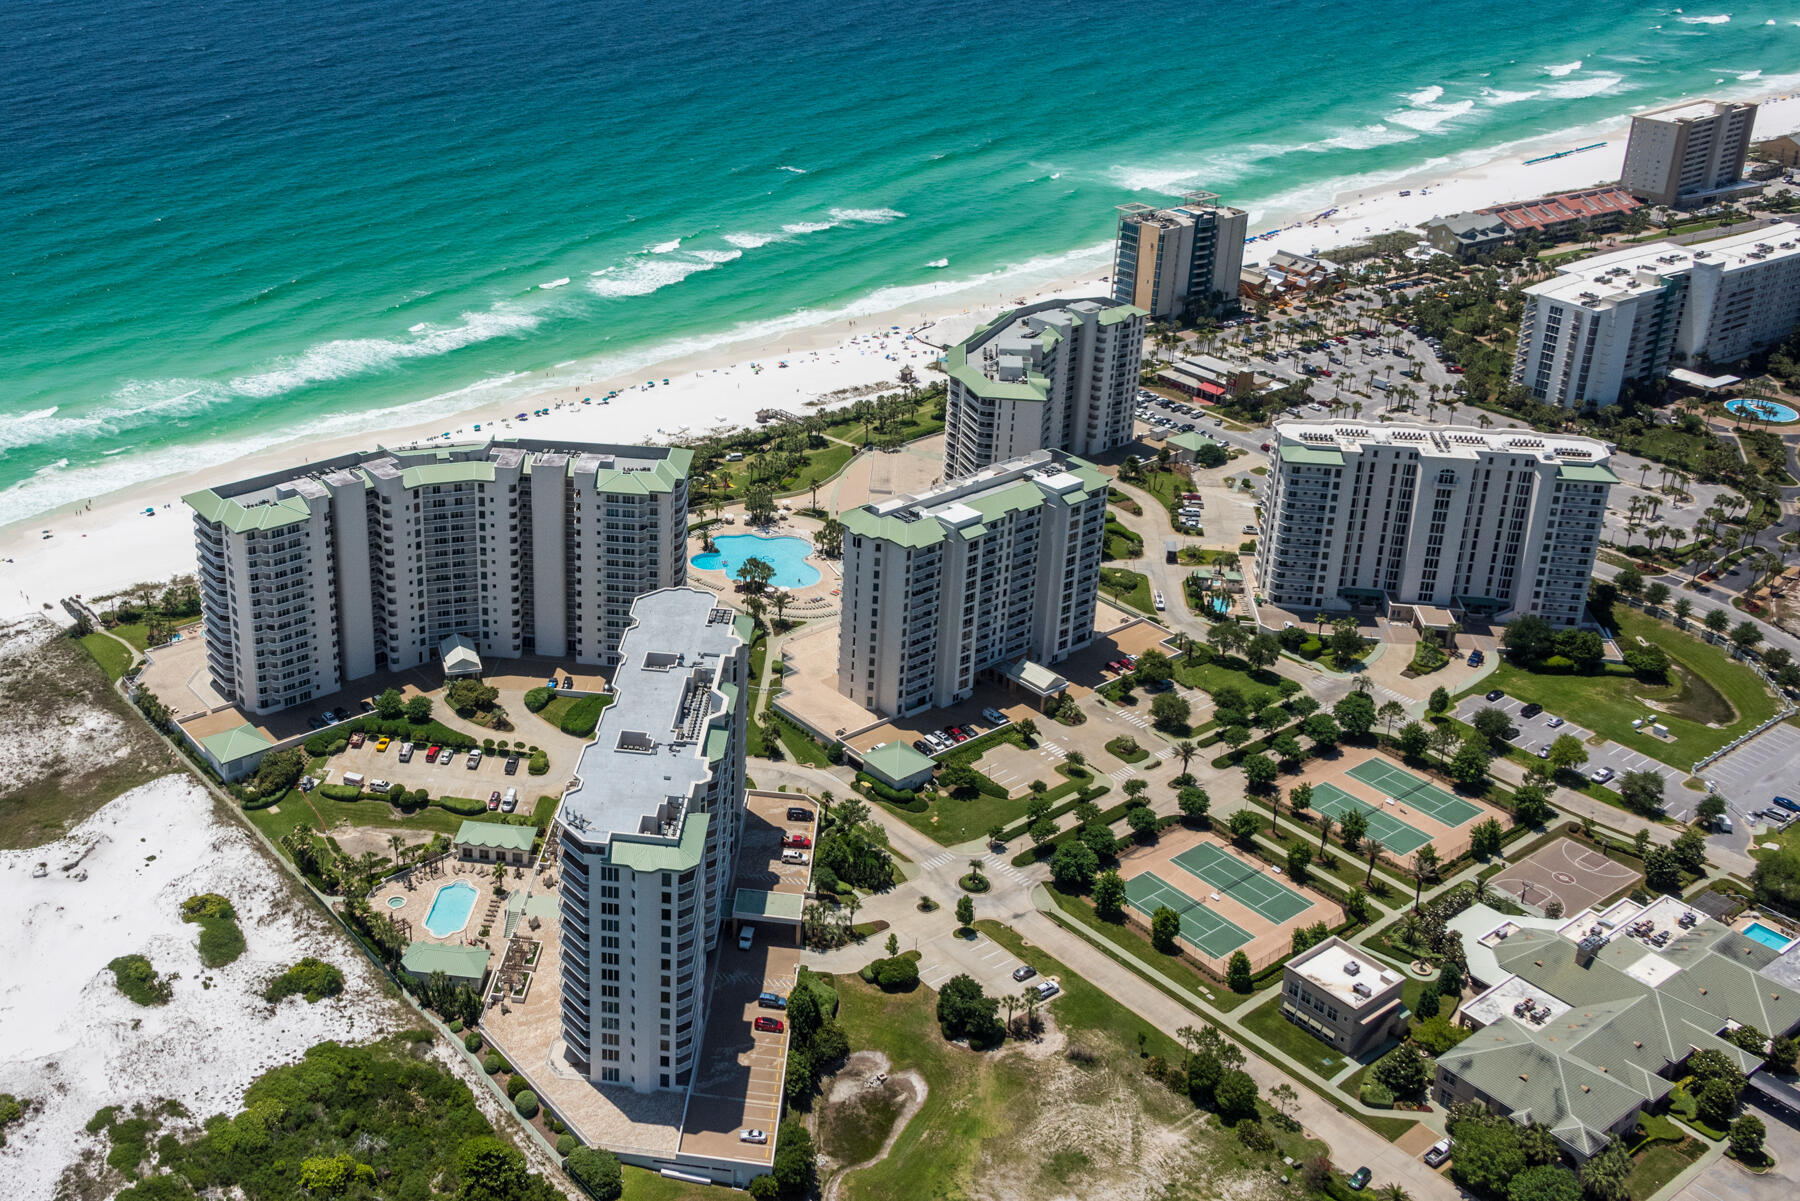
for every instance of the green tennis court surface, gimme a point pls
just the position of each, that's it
(1200, 926)
(1422, 795)
(1242, 882)
(1392, 833)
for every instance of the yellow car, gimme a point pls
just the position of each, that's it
(383, 744)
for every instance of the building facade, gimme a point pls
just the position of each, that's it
(649, 834)
(988, 572)
(1688, 153)
(1175, 262)
(1634, 314)
(1059, 375)
(1348, 1000)
(314, 577)
(1499, 524)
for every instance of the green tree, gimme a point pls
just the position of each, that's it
(965, 911)
(1748, 1135)
(1073, 866)
(1356, 714)
(1488, 1155)
(1440, 700)
(1603, 1176)
(1260, 771)
(1642, 791)
(754, 574)
(1170, 711)
(795, 1159)
(1234, 1097)
(1299, 862)
(490, 1170)
(1165, 927)
(1528, 640)
(1194, 803)
(1470, 763)
(1352, 825)
(1715, 1104)
(418, 710)
(1567, 753)
(390, 705)
(965, 1011)
(1109, 895)
(1243, 825)
(1322, 728)
(1414, 740)
(1492, 724)
(1237, 972)
(1403, 1071)
(1549, 1182)
(1345, 644)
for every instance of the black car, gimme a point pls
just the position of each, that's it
(797, 814)
(921, 746)
(1531, 710)
(512, 765)
(1495, 695)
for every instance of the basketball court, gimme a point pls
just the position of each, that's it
(1567, 871)
(1227, 901)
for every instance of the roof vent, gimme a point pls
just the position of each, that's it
(1351, 967)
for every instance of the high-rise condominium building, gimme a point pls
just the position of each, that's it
(1059, 375)
(1177, 261)
(993, 570)
(1687, 153)
(319, 575)
(1499, 524)
(1633, 314)
(649, 835)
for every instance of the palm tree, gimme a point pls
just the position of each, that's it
(1185, 750)
(1326, 822)
(1364, 683)
(1374, 848)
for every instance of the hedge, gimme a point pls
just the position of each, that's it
(340, 792)
(537, 698)
(539, 764)
(1082, 795)
(584, 715)
(912, 802)
(268, 801)
(462, 806)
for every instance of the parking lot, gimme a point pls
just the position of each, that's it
(449, 776)
(1534, 733)
(1760, 769)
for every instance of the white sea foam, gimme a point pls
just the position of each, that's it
(555, 283)
(751, 241)
(644, 276)
(1747, 76)
(1597, 84)
(1428, 117)
(795, 170)
(715, 257)
(1429, 95)
(808, 227)
(938, 263)
(1562, 69)
(672, 244)
(413, 329)
(345, 357)
(866, 216)
(1362, 138)
(1495, 97)
(1720, 19)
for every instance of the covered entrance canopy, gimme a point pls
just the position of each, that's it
(459, 656)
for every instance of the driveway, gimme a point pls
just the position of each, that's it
(1535, 732)
(1723, 1180)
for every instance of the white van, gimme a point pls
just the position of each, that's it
(354, 779)
(510, 801)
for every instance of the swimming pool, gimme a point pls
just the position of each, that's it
(1766, 410)
(1757, 932)
(786, 554)
(450, 909)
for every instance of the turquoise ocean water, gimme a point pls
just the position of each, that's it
(229, 222)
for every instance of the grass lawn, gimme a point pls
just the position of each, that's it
(136, 633)
(1660, 1163)
(557, 709)
(1128, 587)
(952, 820)
(1266, 1022)
(1121, 543)
(1707, 685)
(1259, 687)
(325, 815)
(113, 659)
(641, 1184)
(1082, 1121)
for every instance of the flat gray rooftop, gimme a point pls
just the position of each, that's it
(649, 750)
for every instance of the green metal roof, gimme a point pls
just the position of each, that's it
(1189, 441)
(496, 836)
(1586, 473)
(1318, 456)
(1021, 497)
(239, 518)
(1123, 312)
(730, 692)
(717, 740)
(756, 903)
(892, 762)
(465, 471)
(745, 627)
(867, 523)
(459, 963)
(661, 857)
(239, 742)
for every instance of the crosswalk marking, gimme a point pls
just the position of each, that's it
(938, 860)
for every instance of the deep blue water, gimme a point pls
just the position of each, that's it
(225, 221)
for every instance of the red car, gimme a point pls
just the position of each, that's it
(797, 840)
(1455, 369)
(770, 1025)
(432, 754)
(356, 739)
(493, 802)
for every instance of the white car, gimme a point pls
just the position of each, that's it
(746, 937)
(793, 856)
(753, 1136)
(474, 758)
(1156, 598)
(1601, 775)
(1047, 988)
(379, 785)
(995, 717)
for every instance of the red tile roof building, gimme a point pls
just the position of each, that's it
(1596, 209)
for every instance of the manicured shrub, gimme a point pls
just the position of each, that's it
(527, 1104)
(493, 1063)
(515, 1086)
(1377, 1095)
(597, 1172)
(472, 1041)
(566, 1143)
(584, 715)
(539, 764)
(462, 806)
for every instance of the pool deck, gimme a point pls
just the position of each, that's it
(792, 557)
(815, 600)
(418, 888)
(1776, 925)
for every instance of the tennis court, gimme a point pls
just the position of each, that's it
(1243, 882)
(1393, 834)
(1212, 934)
(1422, 795)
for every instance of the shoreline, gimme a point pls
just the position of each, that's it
(109, 542)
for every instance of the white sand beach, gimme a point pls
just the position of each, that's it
(111, 542)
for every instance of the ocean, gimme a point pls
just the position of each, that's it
(230, 222)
